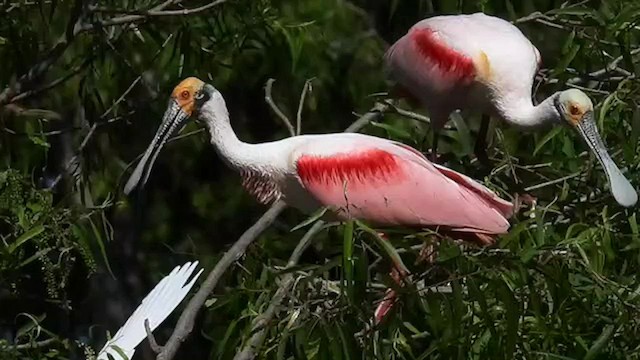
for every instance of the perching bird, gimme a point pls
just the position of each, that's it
(155, 307)
(355, 176)
(484, 63)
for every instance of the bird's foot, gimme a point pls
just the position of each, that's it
(483, 160)
(428, 253)
(385, 306)
(390, 296)
(439, 159)
(524, 200)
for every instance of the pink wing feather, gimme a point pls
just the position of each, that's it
(431, 60)
(390, 184)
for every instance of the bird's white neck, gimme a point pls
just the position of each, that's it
(522, 113)
(236, 153)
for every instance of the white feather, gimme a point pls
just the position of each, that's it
(156, 307)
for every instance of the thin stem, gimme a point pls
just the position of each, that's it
(269, 99)
(306, 88)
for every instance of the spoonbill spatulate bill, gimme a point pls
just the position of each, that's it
(483, 63)
(355, 176)
(155, 307)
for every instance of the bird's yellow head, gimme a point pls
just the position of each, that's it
(575, 106)
(184, 94)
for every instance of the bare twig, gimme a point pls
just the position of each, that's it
(408, 114)
(33, 345)
(141, 15)
(306, 88)
(152, 339)
(75, 71)
(188, 316)
(269, 99)
(259, 325)
(32, 113)
(553, 182)
(611, 66)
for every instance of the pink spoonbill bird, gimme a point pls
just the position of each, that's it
(355, 176)
(155, 308)
(484, 63)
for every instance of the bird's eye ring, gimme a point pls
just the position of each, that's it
(184, 94)
(574, 110)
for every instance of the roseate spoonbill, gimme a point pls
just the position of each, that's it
(356, 176)
(484, 63)
(155, 307)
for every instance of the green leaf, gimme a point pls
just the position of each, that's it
(30, 326)
(566, 47)
(635, 130)
(389, 250)
(120, 352)
(563, 64)
(567, 148)
(34, 257)
(347, 260)
(30, 234)
(633, 224)
(393, 131)
(478, 296)
(36, 137)
(313, 218)
(604, 108)
(572, 10)
(225, 339)
(511, 10)
(512, 313)
(550, 135)
(463, 132)
(600, 342)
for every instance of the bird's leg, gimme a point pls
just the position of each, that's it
(428, 253)
(390, 297)
(480, 148)
(434, 146)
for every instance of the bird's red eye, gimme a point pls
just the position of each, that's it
(184, 94)
(574, 110)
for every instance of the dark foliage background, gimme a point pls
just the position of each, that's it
(84, 84)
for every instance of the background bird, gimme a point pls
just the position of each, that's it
(484, 63)
(356, 176)
(155, 307)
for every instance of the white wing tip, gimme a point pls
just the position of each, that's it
(156, 307)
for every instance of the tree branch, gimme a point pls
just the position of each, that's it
(33, 345)
(152, 339)
(188, 316)
(157, 11)
(269, 99)
(305, 89)
(73, 72)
